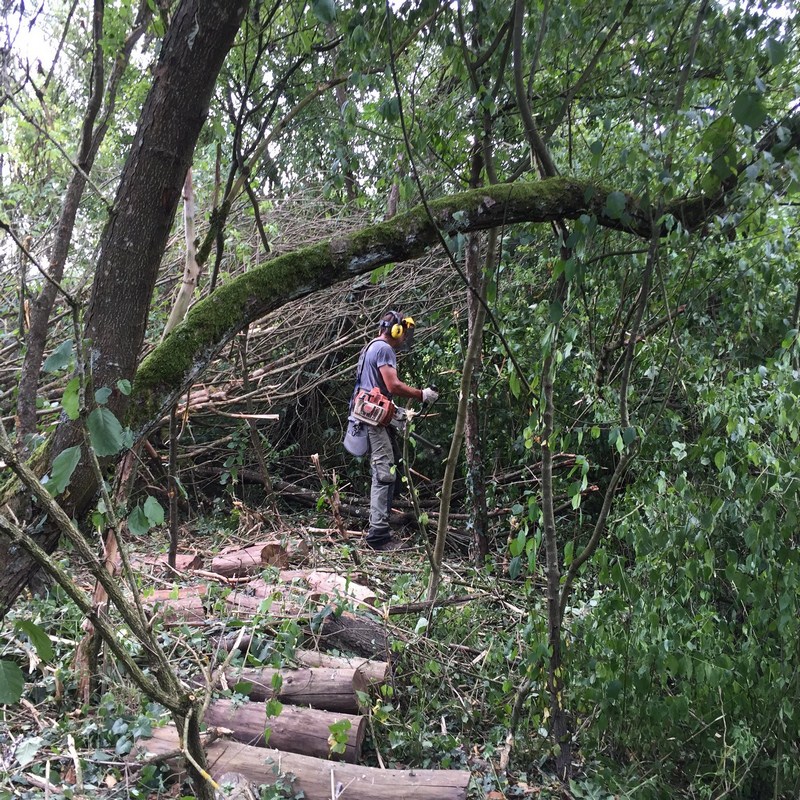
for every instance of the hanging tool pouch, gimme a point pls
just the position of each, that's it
(373, 408)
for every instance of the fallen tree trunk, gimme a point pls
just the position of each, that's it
(315, 776)
(299, 730)
(323, 688)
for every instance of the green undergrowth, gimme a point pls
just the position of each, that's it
(455, 683)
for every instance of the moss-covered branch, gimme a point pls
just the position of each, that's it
(213, 322)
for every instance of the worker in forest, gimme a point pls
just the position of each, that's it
(372, 413)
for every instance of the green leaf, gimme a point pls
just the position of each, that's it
(719, 459)
(749, 109)
(629, 435)
(273, 707)
(389, 109)
(60, 357)
(153, 511)
(138, 524)
(70, 399)
(324, 10)
(556, 311)
(61, 473)
(124, 385)
(101, 396)
(26, 750)
(105, 432)
(38, 638)
(12, 682)
(615, 205)
(776, 51)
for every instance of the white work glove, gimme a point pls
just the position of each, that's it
(429, 395)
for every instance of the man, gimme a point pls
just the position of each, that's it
(377, 367)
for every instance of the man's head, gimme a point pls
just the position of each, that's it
(398, 329)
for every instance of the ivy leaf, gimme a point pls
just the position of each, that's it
(748, 109)
(138, 524)
(60, 357)
(124, 385)
(69, 400)
(324, 10)
(615, 205)
(12, 682)
(105, 432)
(101, 396)
(26, 750)
(153, 511)
(63, 466)
(38, 638)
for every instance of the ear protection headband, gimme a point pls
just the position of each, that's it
(397, 325)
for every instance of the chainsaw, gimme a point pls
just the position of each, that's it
(373, 408)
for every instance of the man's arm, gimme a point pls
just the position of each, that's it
(396, 386)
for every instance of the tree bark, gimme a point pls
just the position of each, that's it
(133, 242)
(323, 688)
(476, 485)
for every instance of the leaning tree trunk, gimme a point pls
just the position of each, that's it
(135, 237)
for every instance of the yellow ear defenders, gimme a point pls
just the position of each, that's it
(399, 326)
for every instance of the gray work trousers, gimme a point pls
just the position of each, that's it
(384, 474)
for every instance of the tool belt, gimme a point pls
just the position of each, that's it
(373, 408)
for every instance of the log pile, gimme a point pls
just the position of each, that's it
(318, 733)
(300, 594)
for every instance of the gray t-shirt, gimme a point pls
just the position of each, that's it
(368, 373)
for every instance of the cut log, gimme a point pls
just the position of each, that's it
(248, 560)
(157, 565)
(185, 604)
(375, 672)
(235, 561)
(357, 634)
(299, 730)
(282, 604)
(315, 776)
(332, 585)
(326, 689)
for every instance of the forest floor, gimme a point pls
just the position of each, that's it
(454, 674)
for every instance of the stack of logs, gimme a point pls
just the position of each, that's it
(314, 743)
